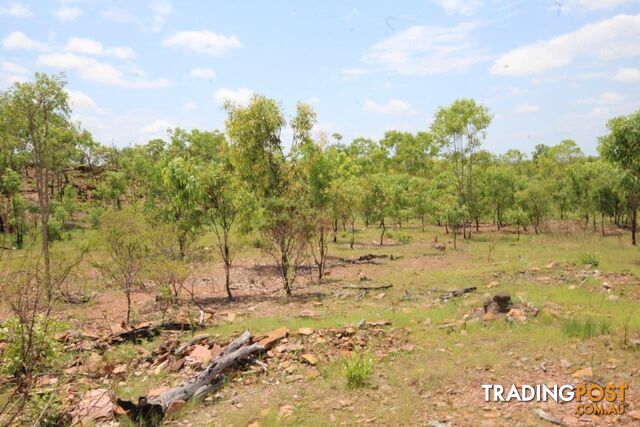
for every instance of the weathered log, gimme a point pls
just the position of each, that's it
(457, 293)
(151, 411)
(368, 288)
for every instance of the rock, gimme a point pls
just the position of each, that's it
(635, 414)
(175, 407)
(586, 372)
(310, 359)
(550, 418)
(201, 354)
(216, 350)
(305, 331)
(408, 347)
(516, 314)
(551, 265)
(270, 339)
(500, 303)
(286, 411)
(95, 363)
(493, 284)
(96, 405)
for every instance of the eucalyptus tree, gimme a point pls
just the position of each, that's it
(258, 155)
(460, 128)
(41, 109)
(621, 146)
(226, 207)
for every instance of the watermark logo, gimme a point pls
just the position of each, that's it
(592, 399)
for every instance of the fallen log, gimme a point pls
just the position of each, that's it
(149, 331)
(151, 411)
(364, 259)
(368, 288)
(457, 293)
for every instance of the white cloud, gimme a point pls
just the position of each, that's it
(462, 7)
(11, 72)
(353, 72)
(628, 75)
(516, 91)
(423, 50)
(20, 41)
(600, 111)
(393, 106)
(81, 102)
(159, 11)
(188, 106)
(157, 128)
(527, 108)
(241, 96)
(607, 98)
(15, 9)
(93, 70)
(67, 13)
(203, 73)
(204, 42)
(119, 15)
(94, 47)
(608, 39)
(592, 5)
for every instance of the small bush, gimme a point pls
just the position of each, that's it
(586, 328)
(403, 238)
(45, 348)
(45, 410)
(587, 258)
(357, 370)
(95, 215)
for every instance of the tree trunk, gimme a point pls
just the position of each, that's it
(384, 228)
(634, 217)
(602, 223)
(353, 234)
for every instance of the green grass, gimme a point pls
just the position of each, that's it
(357, 370)
(586, 328)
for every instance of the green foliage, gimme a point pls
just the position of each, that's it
(358, 369)
(45, 349)
(45, 410)
(95, 215)
(588, 258)
(586, 328)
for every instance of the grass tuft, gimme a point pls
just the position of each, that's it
(357, 370)
(586, 328)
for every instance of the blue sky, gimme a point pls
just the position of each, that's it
(548, 70)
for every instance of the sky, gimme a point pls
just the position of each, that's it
(547, 70)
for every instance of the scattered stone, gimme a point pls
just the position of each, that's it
(201, 354)
(270, 339)
(408, 347)
(545, 416)
(305, 331)
(310, 359)
(493, 284)
(175, 407)
(96, 405)
(500, 303)
(286, 411)
(586, 372)
(635, 414)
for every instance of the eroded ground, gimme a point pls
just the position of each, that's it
(429, 361)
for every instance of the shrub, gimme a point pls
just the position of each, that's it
(588, 258)
(95, 215)
(404, 239)
(45, 348)
(357, 370)
(45, 410)
(586, 328)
